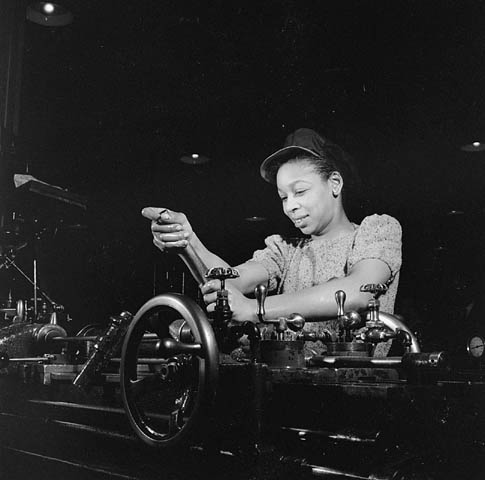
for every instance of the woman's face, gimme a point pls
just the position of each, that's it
(307, 197)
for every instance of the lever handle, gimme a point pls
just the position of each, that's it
(340, 299)
(194, 263)
(260, 293)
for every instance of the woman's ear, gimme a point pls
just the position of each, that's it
(336, 183)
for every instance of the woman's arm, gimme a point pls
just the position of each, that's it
(319, 301)
(314, 303)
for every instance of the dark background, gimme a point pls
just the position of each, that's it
(109, 103)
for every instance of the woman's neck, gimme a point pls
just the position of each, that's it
(340, 225)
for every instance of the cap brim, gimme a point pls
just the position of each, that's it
(280, 155)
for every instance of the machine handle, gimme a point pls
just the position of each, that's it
(194, 263)
(340, 297)
(260, 293)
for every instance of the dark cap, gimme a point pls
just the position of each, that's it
(301, 141)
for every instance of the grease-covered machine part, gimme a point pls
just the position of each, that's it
(26, 339)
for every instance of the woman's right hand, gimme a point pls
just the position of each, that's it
(170, 229)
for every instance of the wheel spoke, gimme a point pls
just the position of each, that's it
(177, 415)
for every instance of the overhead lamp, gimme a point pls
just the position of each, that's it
(255, 219)
(194, 159)
(473, 147)
(49, 14)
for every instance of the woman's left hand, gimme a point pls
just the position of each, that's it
(243, 308)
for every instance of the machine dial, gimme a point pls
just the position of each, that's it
(475, 346)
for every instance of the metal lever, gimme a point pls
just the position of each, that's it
(294, 322)
(194, 263)
(348, 321)
(104, 348)
(260, 293)
(340, 299)
(377, 289)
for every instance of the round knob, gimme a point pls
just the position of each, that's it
(295, 322)
(352, 320)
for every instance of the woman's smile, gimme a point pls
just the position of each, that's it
(298, 221)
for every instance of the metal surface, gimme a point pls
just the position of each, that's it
(280, 353)
(194, 263)
(395, 324)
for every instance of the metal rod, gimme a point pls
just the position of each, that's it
(147, 361)
(93, 338)
(35, 290)
(333, 361)
(320, 471)
(11, 263)
(29, 359)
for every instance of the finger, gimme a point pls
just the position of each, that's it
(169, 216)
(168, 228)
(210, 308)
(210, 298)
(153, 213)
(172, 237)
(210, 286)
(161, 242)
(158, 243)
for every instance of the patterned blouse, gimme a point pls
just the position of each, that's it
(295, 264)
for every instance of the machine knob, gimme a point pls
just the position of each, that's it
(222, 273)
(340, 299)
(260, 293)
(222, 311)
(352, 320)
(377, 289)
(295, 322)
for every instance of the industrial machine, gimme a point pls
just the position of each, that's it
(171, 393)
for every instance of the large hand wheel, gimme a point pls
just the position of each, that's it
(167, 386)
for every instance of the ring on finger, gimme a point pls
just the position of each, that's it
(159, 219)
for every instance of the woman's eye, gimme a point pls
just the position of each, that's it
(283, 199)
(300, 192)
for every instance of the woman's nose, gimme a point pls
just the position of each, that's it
(291, 204)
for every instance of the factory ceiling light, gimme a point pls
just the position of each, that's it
(473, 147)
(49, 14)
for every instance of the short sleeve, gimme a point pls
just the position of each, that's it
(380, 237)
(273, 258)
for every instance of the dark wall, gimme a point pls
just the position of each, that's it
(111, 102)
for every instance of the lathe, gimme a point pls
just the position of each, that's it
(171, 393)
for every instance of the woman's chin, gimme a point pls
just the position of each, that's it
(306, 230)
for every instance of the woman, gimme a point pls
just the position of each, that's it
(310, 174)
